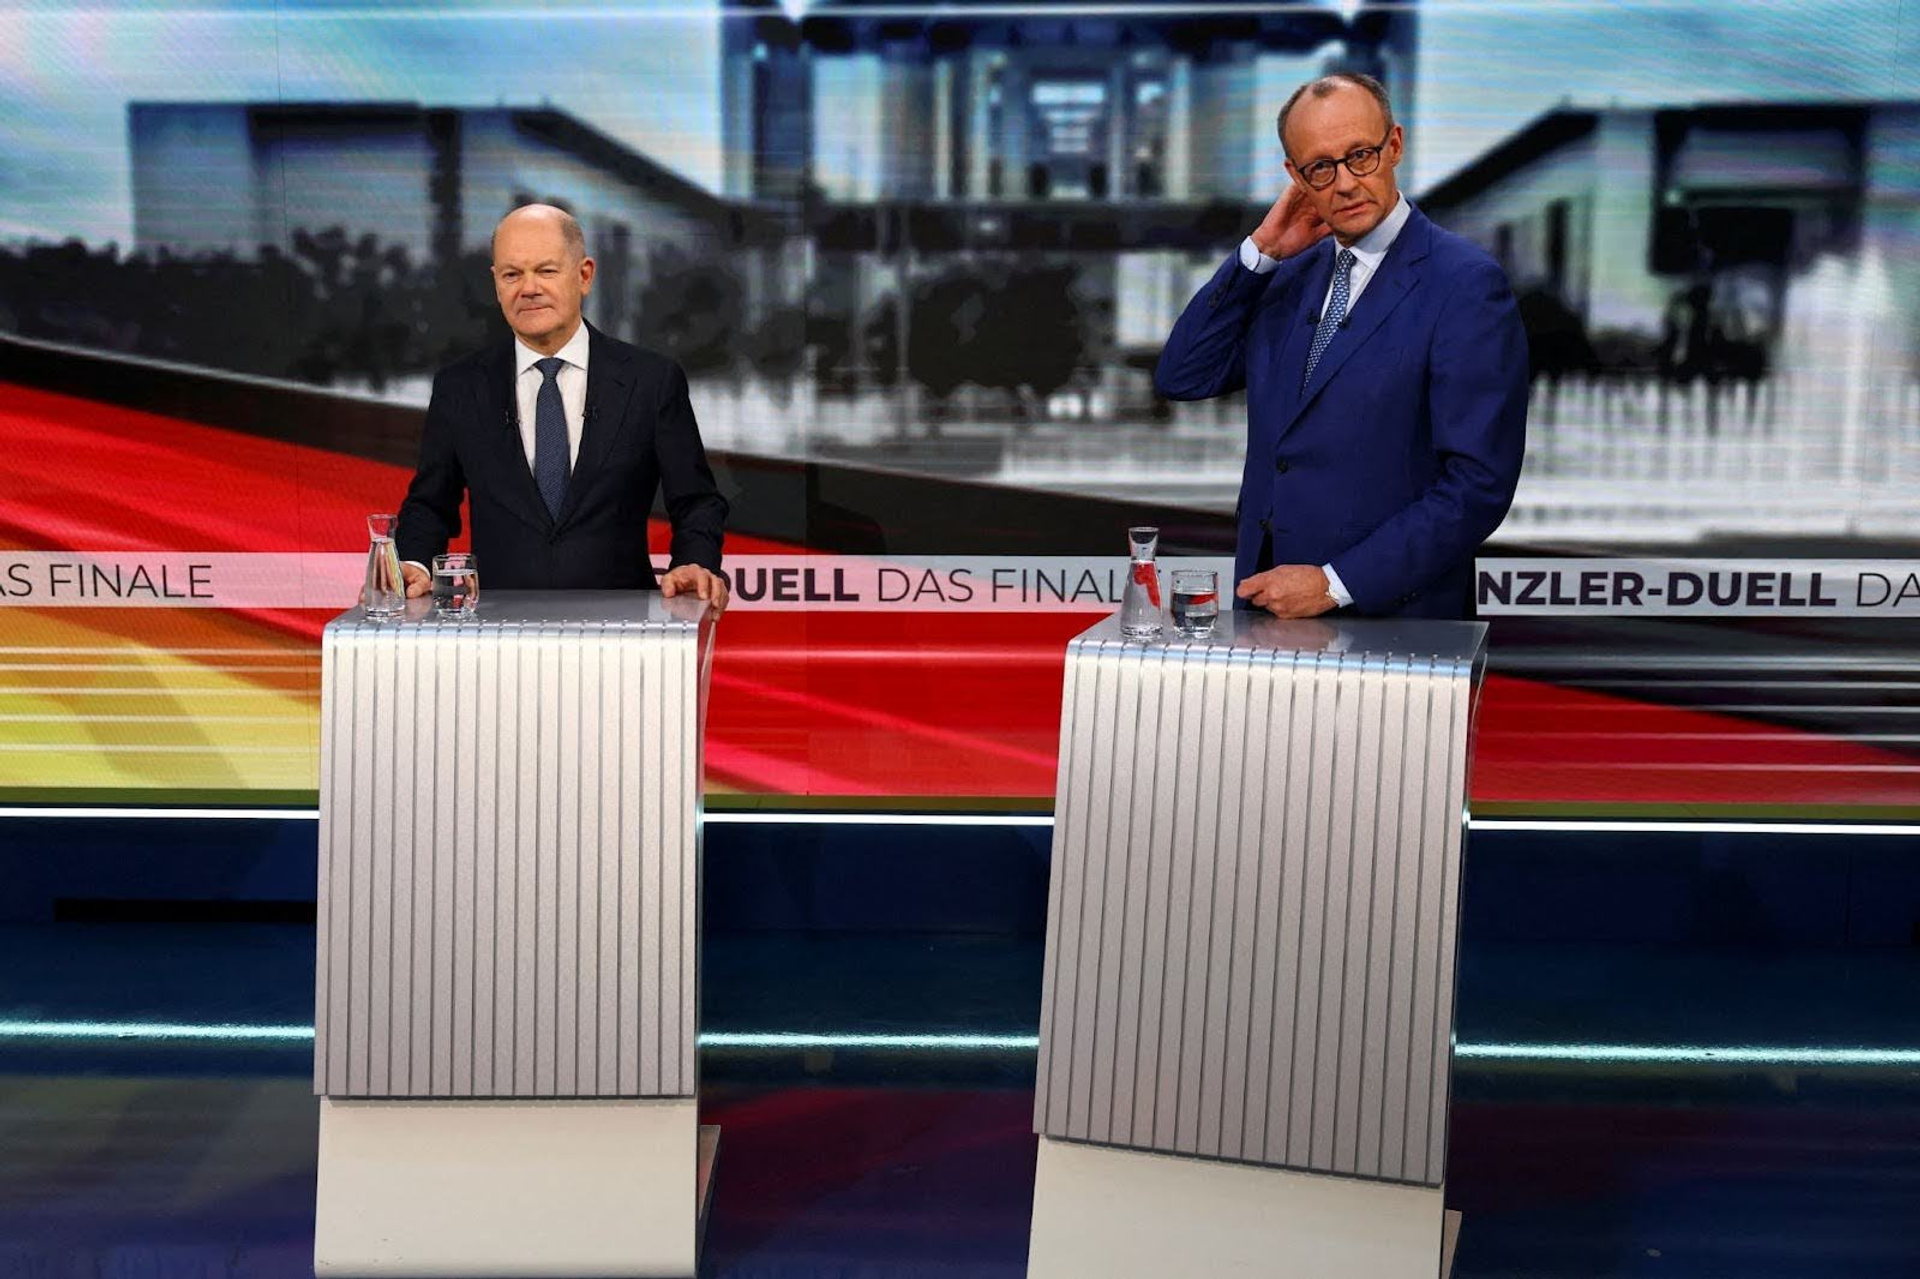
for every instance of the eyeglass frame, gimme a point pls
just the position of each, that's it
(1379, 150)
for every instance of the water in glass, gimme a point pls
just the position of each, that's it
(456, 584)
(1196, 600)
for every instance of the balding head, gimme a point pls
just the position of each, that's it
(541, 274)
(1328, 85)
(546, 215)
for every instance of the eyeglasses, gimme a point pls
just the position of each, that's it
(1360, 162)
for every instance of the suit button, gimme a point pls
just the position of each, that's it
(1280, 465)
(1266, 525)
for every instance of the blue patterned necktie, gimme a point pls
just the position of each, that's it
(550, 437)
(1336, 312)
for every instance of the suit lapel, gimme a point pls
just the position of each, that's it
(1398, 273)
(500, 424)
(609, 386)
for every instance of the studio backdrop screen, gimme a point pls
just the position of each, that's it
(917, 261)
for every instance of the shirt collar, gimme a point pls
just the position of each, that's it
(574, 352)
(1373, 246)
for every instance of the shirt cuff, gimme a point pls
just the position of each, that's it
(1254, 260)
(1336, 587)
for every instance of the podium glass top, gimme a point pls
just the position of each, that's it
(1237, 630)
(645, 610)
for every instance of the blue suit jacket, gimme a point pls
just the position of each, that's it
(1401, 455)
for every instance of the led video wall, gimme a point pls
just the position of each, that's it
(917, 264)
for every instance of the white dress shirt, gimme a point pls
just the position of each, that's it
(1368, 252)
(573, 390)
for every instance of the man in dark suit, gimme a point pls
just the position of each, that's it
(1386, 376)
(560, 439)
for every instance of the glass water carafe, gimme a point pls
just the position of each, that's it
(1140, 606)
(386, 592)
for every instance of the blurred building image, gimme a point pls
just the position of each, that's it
(964, 174)
(953, 241)
(1137, 102)
(429, 183)
(1684, 230)
(1718, 304)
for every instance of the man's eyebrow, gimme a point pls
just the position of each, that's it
(1341, 155)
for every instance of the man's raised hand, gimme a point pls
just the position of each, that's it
(1290, 226)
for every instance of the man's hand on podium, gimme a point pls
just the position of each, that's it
(1291, 590)
(691, 579)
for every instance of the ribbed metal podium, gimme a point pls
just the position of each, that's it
(1247, 1016)
(507, 989)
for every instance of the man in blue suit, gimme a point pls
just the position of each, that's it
(1386, 377)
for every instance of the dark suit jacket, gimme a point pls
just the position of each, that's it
(638, 437)
(1400, 457)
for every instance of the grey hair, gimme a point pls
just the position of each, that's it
(570, 233)
(1325, 85)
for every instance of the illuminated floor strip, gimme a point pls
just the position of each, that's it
(1627, 826)
(154, 1031)
(177, 814)
(1780, 1057)
(1548, 825)
(1689, 1055)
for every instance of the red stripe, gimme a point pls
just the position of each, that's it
(837, 703)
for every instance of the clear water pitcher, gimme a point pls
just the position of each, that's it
(386, 593)
(1140, 606)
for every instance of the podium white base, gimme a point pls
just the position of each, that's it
(508, 1188)
(1134, 1214)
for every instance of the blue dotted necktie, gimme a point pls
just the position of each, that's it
(550, 437)
(1336, 312)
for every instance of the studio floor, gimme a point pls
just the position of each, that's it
(848, 1153)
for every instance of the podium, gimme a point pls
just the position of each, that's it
(1247, 1017)
(507, 992)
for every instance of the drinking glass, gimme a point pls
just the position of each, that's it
(456, 584)
(1196, 601)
